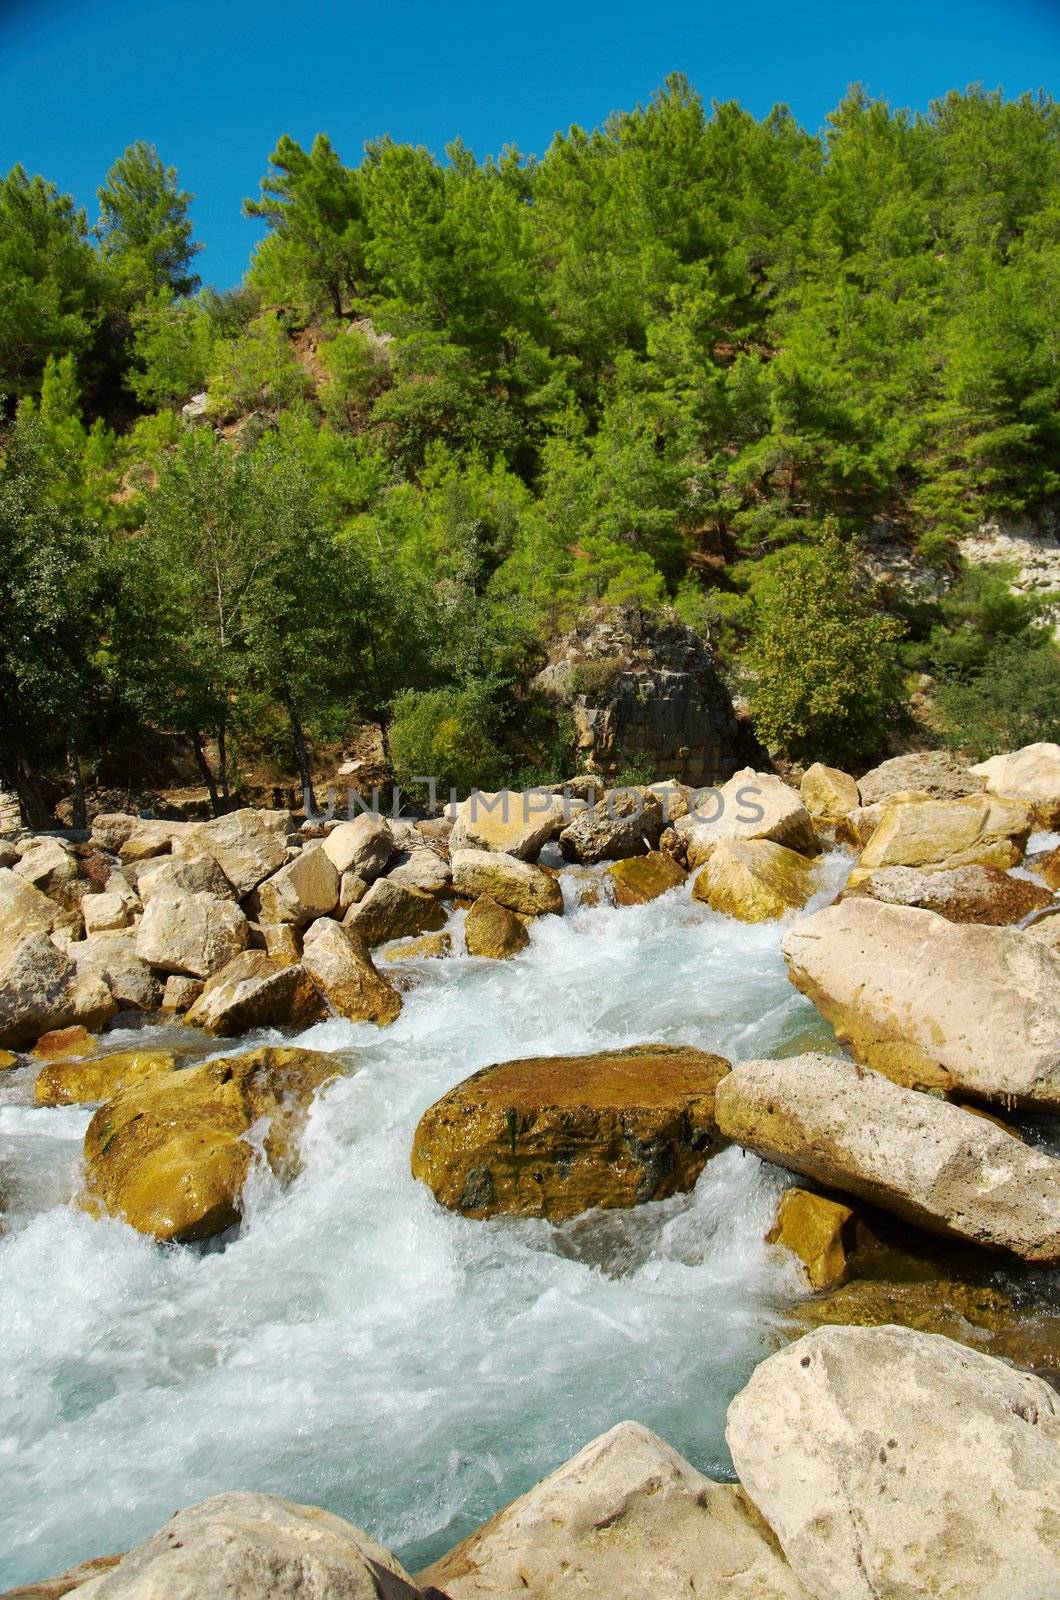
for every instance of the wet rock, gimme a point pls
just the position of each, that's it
(638, 879)
(935, 1004)
(753, 880)
(948, 833)
(1030, 776)
(517, 824)
(195, 934)
(510, 882)
(363, 845)
(59, 1042)
(552, 1136)
(828, 793)
(627, 822)
(247, 845)
(752, 805)
(428, 946)
(960, 894)
(390, 911)
(41, 989)
(891, 1463)
(306, 888)
(1048, 868)
(8, 1059)
(627, 1518)
(930, 1162)
(256, 991)
(818, 1231)
(63, 1082)
(938, 774)
(74, 1578)
(169, 1154)
(343, 971)
(492, 931)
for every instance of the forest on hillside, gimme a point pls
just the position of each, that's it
(689, 360)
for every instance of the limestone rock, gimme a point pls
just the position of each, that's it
(891, 1463)
(184, 874)
(41, 988)
(513, 823)
(352, 889)
(255, 991)
(753, 880)
(828, 793)
(1046, 932)
(180, 994)
(1048, 868)
(306, 888)
(752, 805)
(279, 940)
(552, 1136)
(627, 822)
(629, 1519)
(638, 879)
(817, 1230)
(423, 868)
(49, 867)
(932, 1163)
(150, 837)
(89, 1082)
(23, 909)
(390, 911)
(112, 958)
(363, 845)
(169, 1154)
(937, 1004)
(195, 934)
(247, 845)
(60, 1042)
(510, 882)
(938, 774)
(1030, 775)
(104, 913)
(343, 971)
(110, 829)
(948, 833)
(428, 946)
(960, 894)
(492, 931)
(859, 825)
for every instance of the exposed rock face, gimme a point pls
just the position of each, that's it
(934, 1003)
(960, 894)
(818, 1231)
(752, 805)
(363, 845)
(191, 874)
(515, 824)
(40, 989)
(639, 879)
(169, 1154)
(305, 888)
(247, 845)
(390, 911)
(343, 971)
(195, 934)
(256, 991)
(247, 1546)
(151, 837)
(510, 882)
(1031, 776)
(753, 880)
(65, 1083)
(935, 773)
(932, 1163)
(629, 1519)
(891, 1463)
(492, 931)
(948, 833)
(638, 686)
(552, 1136)
(828, 793)
(627, 822)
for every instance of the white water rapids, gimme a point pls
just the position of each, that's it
(354, 1345)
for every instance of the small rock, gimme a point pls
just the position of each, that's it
(185, 874)
(112, 958)
(180, 994)
(150, 837)
(103, 913)
(63, 1042)
(280, 941)
(515, 824)
(306, 888)
(110, 829)
(816, 1230)
(627, 822)
(638, 879)
(423, 869)
(428, 946)
(752, 805)
(1031, 776)
(492, 931)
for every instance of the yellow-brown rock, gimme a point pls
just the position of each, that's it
(817, 1230)
(74, 1041)
(642, 878)
(828, 792)
(493, 931)
(754, 880)
(256, 991)
(170, 1154)
(1048, 869)
(8, 1059)
(552, 1136)
(65, 1083)
(428, 946)
(975, 829)
(519, 885)
(345, 975)
(391, 911)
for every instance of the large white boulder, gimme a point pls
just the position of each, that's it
(195, 934)
(363, 845)
(893, 1464)
(934, 1003)
(517, 824)
(305, 888)
(752, 805)
(938, 1165)
(247, 845)
(1031, 775)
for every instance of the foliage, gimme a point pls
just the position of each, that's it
(1011, 699)
(144, 229)
(445, 734)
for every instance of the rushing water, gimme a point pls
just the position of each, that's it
(357, 1347)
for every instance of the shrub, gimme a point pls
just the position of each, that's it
(1012, 700)
(445, 734)
(257, 369)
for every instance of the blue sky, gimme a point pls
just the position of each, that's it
(214, 85)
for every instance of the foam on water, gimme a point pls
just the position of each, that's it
(357, 1347)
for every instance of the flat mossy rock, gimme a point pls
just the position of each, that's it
(754, 880)
(551, 1136)
(170, 1155)
(817, 1230)
(641, 878)
(63, 1082)
(492, 931)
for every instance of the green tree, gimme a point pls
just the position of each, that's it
(313, 256)
(144, 229)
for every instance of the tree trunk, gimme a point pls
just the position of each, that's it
(222, 762)
(301, 754)
(73, 767)
(207, 773)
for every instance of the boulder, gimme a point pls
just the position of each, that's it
(423, 868)
(169, 1154)
(638, 879)
(112, 958)
(492, 931)
(104, 913)
(948, 833)
(937, 774)
(73, 1041)
(50, 867)
(306, 888)
(1030, 776)
(510, 882)
(960, 894)
(195, 934)
(185, 874)
(390, 911)
(1046, 932)
(247, 845)
(41, 988)
(515, 824)
(1048, 868)
(859, 825)
(343, 971)
(352, 889)
(627, 822)
(23, 909)
(64, 1082)
(551, 1136)
(180, 993)
(891, 1464)
(818, 1231)
(753, 880)
(932, 1163)
(936, 1004)
(256, 991)
(427, 947)
(363, 846)
(279, 940)
(110, 829)
(151, 837)
(752, 805)
(629, 1519)
(828, 792)
(674, 797)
